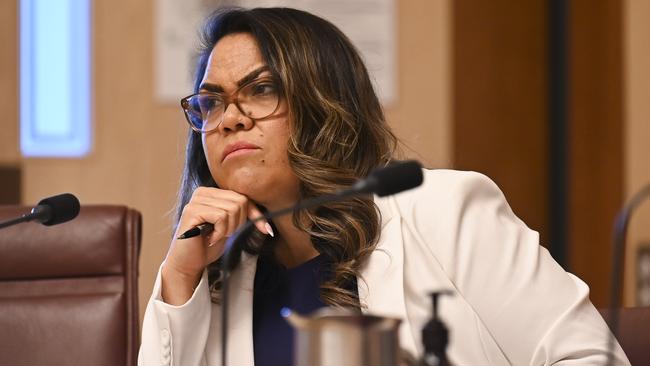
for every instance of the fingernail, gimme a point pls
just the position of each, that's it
(269, 230)
(212, 243)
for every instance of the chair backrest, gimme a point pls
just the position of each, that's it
(633, 333)
(68, 293)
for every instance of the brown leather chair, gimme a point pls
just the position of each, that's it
(69, 293)
(633, 333)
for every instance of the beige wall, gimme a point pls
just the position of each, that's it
(637, 134)
(422, 114)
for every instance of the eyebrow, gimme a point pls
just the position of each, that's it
(215, 88)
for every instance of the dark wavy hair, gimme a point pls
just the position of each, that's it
(338, 134)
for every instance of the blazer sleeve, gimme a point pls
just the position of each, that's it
(535, 311)
(176, 335)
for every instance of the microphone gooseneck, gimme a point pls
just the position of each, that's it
(618, 258)
(394, 178)
(50, 211)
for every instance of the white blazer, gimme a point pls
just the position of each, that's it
(512, 303)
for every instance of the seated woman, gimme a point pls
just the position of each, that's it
(284, 110)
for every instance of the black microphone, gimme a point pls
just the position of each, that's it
(50, 211)
(394, 178)
(621, 224)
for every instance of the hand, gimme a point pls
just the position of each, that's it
(187, 258)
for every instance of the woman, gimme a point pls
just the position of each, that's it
(284, 110)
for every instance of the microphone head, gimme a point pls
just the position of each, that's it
(57, 209)
(394, 178)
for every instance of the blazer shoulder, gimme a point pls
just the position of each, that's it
(443, 189)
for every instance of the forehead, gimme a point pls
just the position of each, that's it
(234, 56)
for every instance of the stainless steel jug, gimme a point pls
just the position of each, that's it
(337, 337)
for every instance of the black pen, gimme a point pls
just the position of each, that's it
(196, 231)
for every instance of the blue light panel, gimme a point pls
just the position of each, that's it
(55, 78)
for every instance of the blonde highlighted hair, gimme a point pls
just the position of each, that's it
(338, 134)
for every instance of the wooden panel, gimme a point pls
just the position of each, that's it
(9, 153)
(637, 128)
(595, 138)
(10, 184)
(500, 99)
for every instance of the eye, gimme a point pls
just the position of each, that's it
(208, 102)
(263, 88)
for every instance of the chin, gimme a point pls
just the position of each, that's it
(243, 180)
(238, 182)
(268, 187)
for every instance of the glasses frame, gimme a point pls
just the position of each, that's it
(228, 99)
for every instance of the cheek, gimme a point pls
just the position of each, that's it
(276, 140)
(204, 145)
(210, 150)
(280, 156)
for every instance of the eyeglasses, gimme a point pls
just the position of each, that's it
(256, 100)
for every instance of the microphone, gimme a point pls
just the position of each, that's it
(621, 224)
(391, 179)
(394, 178)
(50, 211)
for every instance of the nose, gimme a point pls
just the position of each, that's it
(234, 120)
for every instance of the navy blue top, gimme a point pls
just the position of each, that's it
(276, 287)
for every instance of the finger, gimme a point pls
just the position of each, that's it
(218, 194)
(247, 209)
(243, 202)
(231, 201)
(234, 213)
(214, 242)
(196, 214)
(262, 225)
(225, 199)
(221, 226)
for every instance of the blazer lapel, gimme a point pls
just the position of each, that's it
(383, 274)
(240, 331)
(381, 290)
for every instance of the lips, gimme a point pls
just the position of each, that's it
(237, 146)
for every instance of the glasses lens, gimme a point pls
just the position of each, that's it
(259, 99)
(204, 111)
(192, 111)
